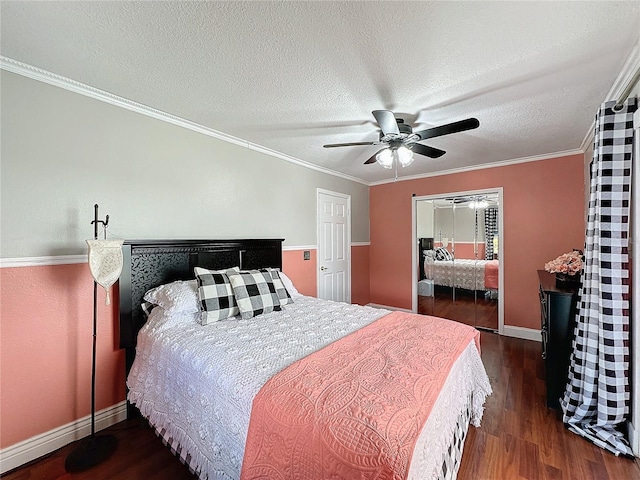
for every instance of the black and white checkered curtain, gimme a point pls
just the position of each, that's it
(596, 400)
(490, 230)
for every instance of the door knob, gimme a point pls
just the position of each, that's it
(324, 268)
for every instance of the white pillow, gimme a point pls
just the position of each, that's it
(175, 297)
(288, 284)
(160, 319)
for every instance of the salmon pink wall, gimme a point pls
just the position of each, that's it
(465, 250)
(543, 218)
(303, 272)
(46, 317)
(360, 274)
(46, 321)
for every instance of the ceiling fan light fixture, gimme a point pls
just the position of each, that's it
(405, 156)
(479, 204)
(385, 158)
(403, 143)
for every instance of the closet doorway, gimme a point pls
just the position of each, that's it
(457, 267)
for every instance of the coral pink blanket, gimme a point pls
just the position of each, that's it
(491, 274)
(355, 408)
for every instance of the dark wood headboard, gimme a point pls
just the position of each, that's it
(149, 263)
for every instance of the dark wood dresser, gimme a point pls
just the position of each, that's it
(557, 313)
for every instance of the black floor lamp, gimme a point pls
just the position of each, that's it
(105, 263)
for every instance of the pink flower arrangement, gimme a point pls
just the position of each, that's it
(568, 263)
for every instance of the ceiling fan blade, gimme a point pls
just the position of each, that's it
(352, 144)
(455, 127)
(373, 158)
(427, 151)
(387, 121)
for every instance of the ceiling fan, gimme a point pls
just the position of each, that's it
(402, 142)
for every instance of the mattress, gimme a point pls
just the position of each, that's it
(196, 384)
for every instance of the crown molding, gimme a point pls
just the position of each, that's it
(38, 74)
(74, 86)
(630, 67)
(588, 138)
(484, 166)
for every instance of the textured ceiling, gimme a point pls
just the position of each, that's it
(292, 76)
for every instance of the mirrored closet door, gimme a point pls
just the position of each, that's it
(458, 258)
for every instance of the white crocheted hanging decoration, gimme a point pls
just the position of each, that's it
(105, 263)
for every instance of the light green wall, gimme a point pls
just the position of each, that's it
(424, 219)
(62, 152)
(458, 225)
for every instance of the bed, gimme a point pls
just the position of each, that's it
(204, 387)
(469, 274)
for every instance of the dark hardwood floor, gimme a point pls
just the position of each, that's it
(140, 455)
(466, 308)
(519, 438)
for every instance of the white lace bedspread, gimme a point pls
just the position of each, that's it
(461, 273)
(198, 382)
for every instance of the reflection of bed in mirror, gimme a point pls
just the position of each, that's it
(457, 257)
(465, 290)
(463, 273)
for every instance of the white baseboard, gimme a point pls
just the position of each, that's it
(288, 248)
(293, 248)
(35, 447)
(387, 307)
(73, 259)
(521, 332)
(508, 330)
(43, 261)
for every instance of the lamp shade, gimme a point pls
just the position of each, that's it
(405, 156)
(105, 262)
(385, 158)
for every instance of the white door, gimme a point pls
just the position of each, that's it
(334, 246)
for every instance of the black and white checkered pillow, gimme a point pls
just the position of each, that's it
(255, 292)
(281, 290)
(443, 254)
(215, 294)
